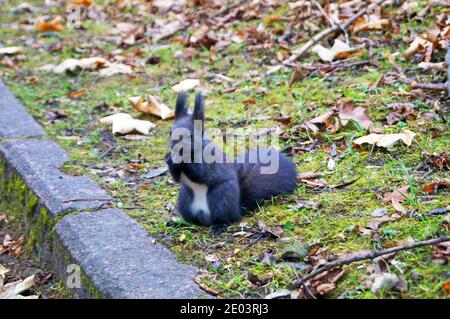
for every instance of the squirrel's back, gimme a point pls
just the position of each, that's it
(259, 181)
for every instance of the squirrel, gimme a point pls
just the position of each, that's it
(220, 193)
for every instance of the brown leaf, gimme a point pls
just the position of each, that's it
(400, 112)
(274, 231)
(397, 206)
(439, 161)
(347, 112)
(375, 223)
(437, 184)
(446, 286)
(441, 251)
(86, 3)
(76, 93)
(419, 44)
(429, 188)
(322, 118)
(153, 106)
(53, 26)
(399, 194)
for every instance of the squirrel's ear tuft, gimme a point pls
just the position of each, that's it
(199, 107)
(181, 107)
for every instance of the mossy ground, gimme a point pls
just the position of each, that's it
(331, 225)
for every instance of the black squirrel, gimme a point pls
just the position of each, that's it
(220, 193)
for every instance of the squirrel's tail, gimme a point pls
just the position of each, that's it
(261, 177)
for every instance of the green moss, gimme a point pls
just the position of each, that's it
(93, 292)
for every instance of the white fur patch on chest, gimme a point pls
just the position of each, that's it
(200, 201)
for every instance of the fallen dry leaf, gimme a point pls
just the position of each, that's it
(212, 258)
(132, 125)
(378, 24)
(387, 281)
(108, 120)
(10, 50)
(152, 106)
(123, 123)
(53, 26)
(14, 289)
(186, 85)
(320, 285)
(76, 93)
(86, 3)
(346, 112)
(339, 50)
(104, 67)
(419, 44)
(377, 222)
(400, 112)
(71, 65)
(386, 140)
(115, 68)
(441, 251)
(439, 161)
(398, 207)
(439, 66)
(3, 272)
(399, 194)
(8, 240)
(436, 184)
(446, 286)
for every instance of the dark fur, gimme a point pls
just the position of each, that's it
(233, 188)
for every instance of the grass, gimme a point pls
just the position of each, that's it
(332, 224)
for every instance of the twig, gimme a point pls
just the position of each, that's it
(329, 189)
(227, 8)
(417, 85)
(331, 21)
(132, 207)
(370, 255)
(331, 66)
(426, 86)
(327, 67)
(344, 184)
(298, 53)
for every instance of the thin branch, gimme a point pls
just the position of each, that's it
(417, 85)
(225, 9)
(298, 53)
(370, 255)
(426, 86)
(331, 21)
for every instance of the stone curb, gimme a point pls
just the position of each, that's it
(118, 255)
(15, 122)
(65, 221)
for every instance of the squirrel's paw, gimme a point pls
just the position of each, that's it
(218, 229)
(168, 159)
